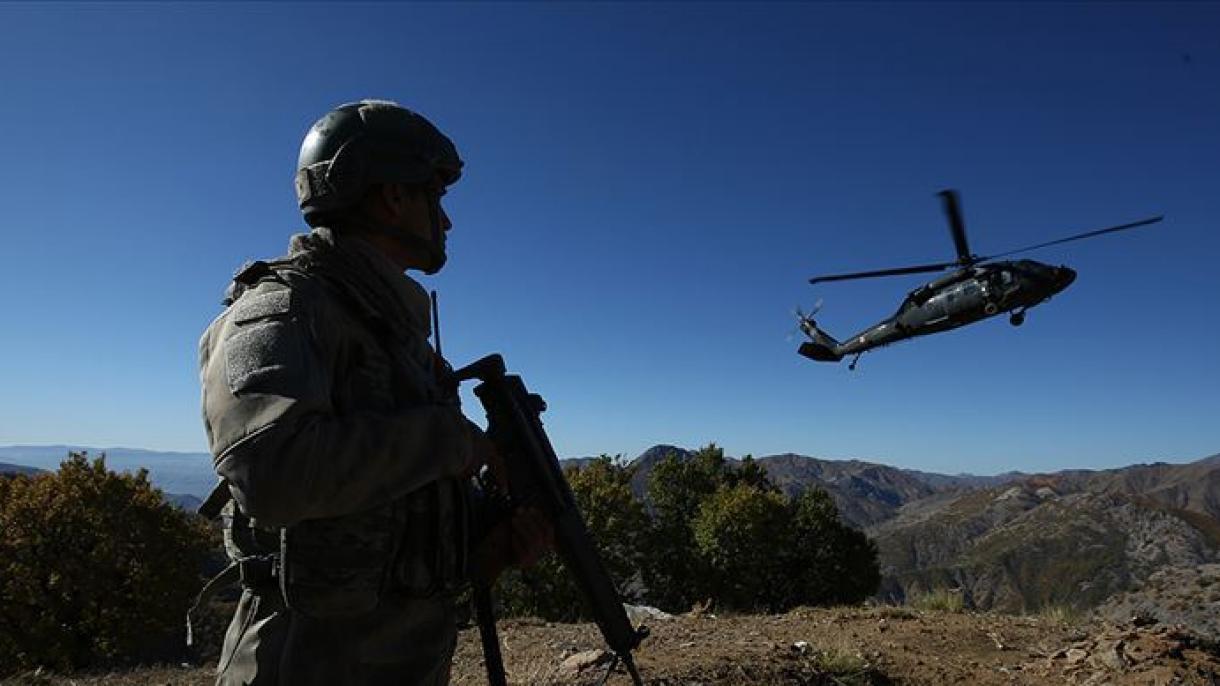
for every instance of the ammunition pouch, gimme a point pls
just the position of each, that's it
(416, 546)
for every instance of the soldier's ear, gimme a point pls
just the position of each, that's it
(390, 198)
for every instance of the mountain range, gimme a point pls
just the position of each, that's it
(185, 478)
(1121, 541)
(1117, 538)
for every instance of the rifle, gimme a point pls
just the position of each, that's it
(514, 426)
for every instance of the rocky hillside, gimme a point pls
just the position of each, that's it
(866, 492)
(1189, 596)
(1019, 542)
(1075, 539)
(1025, 547)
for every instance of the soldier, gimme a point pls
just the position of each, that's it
(344, 458)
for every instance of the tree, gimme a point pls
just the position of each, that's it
(727, 533)
(675, 575)
(719, 531)
(619, 528)
(95, 567)
(739, 533)
(826, 561)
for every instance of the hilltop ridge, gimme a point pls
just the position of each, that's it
(1017, 542)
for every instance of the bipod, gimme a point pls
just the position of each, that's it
(628, 663)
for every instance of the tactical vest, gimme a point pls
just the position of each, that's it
(416, 545)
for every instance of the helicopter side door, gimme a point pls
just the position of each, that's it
(965, 302)
(1006, 286)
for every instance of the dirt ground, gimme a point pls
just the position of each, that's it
(864, 646)
(816, 646)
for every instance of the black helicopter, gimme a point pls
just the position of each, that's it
(978, 288)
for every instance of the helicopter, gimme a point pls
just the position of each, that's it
(978, 288)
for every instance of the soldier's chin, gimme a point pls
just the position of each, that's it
(436, 261)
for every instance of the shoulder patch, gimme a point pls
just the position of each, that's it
(266, 358)
(254, 305)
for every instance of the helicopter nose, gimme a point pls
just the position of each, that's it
(1064, 276)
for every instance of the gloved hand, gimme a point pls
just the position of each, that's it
(519, 541)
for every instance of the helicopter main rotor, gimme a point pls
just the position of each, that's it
(965, 259)
(957, 227)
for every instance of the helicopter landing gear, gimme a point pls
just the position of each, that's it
(851, 366)
(1017, 318)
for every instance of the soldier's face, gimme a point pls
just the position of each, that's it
(412, 211)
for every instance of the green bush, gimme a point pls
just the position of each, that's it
(828, 562)
(726, 534)
(95, 567)
(675, 575)
(619, 528)
(736, 533)
(717, 532)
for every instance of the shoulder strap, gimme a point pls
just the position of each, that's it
(251, 273)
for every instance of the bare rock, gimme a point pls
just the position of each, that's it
(584, 660)
(1110, 656)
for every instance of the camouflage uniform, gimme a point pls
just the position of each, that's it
(344, 458)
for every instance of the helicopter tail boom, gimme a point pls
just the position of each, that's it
(821, 346)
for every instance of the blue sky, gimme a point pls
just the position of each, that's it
(648, 189)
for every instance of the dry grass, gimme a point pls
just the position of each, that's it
(1061, 615)
(141, 676)
(939, 600)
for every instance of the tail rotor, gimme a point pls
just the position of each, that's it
(805, 321)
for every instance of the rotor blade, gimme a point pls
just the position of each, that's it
(1088, 234)
(885, 272)
(957, 227)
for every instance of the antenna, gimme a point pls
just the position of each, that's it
(436, 326)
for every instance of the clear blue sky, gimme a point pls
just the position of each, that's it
(648, 189)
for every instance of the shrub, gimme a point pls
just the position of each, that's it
(728, 534)
(844, 668)
(939, 600)
(618, 526)
(718, 532)
(739, 534)
(95, 567)
(828, 562)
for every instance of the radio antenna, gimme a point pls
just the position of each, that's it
(436, 326)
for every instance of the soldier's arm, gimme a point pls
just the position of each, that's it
(276, 437)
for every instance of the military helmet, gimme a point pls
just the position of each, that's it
(362, 143)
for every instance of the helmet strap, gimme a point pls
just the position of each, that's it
(436, 249)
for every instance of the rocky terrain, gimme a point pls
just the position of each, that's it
(1069, 541)
(1189, 596)
(841, 646)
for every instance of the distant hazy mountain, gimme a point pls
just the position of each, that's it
(184, 473)
(185, 501)
(6, 468)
